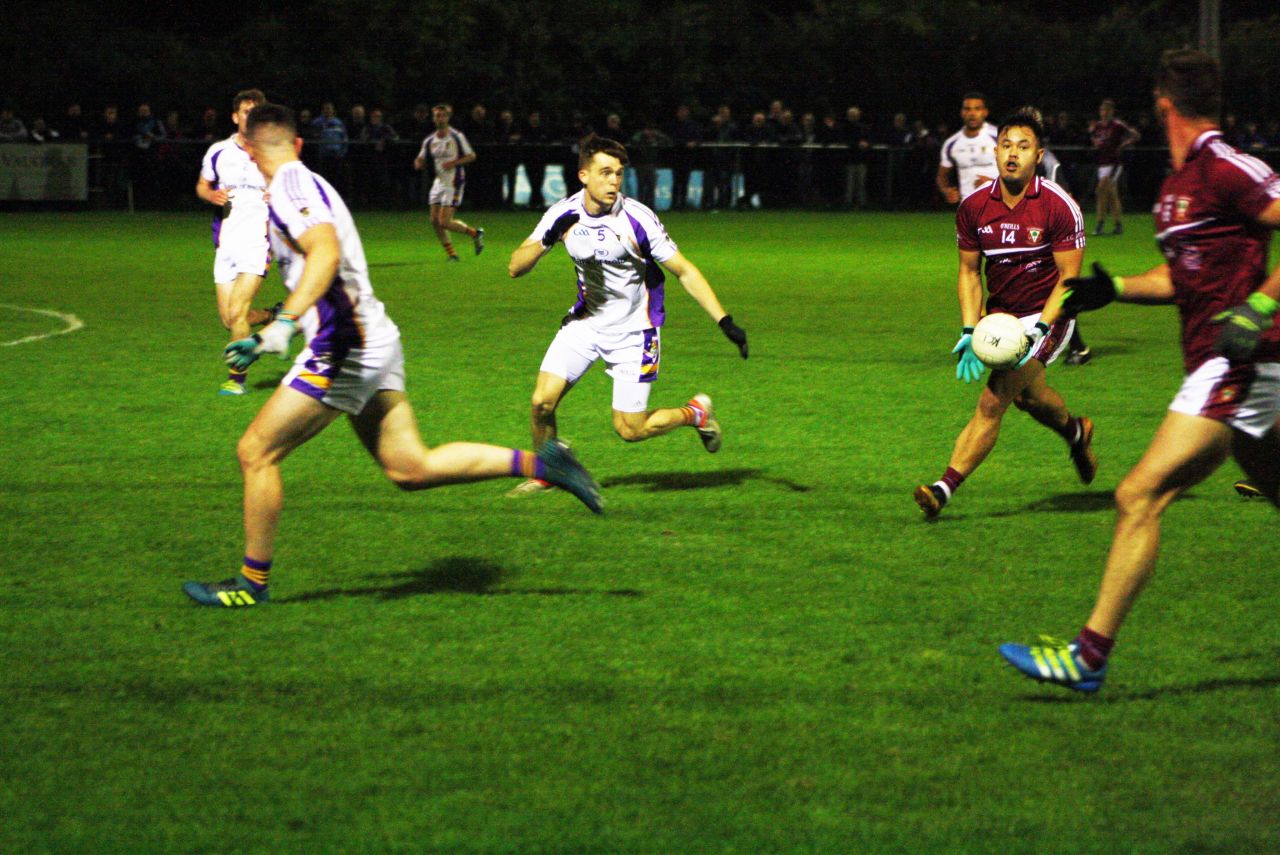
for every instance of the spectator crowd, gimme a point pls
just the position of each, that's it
(773, 156)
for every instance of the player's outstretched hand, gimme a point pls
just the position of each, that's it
(1243, 326)
(1086, 293)
(563, 223)
(735, 334)
(968, 366)
(273, 338)
(1039, 331)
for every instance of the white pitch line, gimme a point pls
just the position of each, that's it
(73, 323)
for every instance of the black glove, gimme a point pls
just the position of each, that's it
(1243, 326)
(735, 334)
(563, 223)
(1086, 293)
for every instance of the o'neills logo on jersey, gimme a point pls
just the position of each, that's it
(1181, 207)
(985, 230)
(1034, 234)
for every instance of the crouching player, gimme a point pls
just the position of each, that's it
(1031, 234)
(352, 364)
(1214, 218)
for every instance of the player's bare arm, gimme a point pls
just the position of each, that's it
(969, 287)
(213, 195)
(458, 161)
(1153, 287)
(526, 257)
(946, 186)
(1068, 263)
(696, 284)
(323, 255)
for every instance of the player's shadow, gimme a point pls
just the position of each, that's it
(661, 482)
(454, 575)
(1121, 696)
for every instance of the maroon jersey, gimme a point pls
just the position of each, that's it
(1207, 228)
(1106, 138)
(1019, 244)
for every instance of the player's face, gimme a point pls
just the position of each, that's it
(1105, 112)
(1018, 152)
(241, 114)
(602, 179)
(973, 112)
(441, 118)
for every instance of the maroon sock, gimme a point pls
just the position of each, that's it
(1094, 648)
(950, 482)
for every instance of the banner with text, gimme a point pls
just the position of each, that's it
(45, 173)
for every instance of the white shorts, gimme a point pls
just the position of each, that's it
(632, 360)
(446, 193)
(1111, 171)
(351, 384)
(1245, 396)
(230, 261)
(1052, 343)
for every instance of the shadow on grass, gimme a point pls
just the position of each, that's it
(661, 482)
(451, 576)
(1122, 696)
(382, 264)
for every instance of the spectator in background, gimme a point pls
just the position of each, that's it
(169, 153)
(207, 131)
(41, 132)
(12, 129)
(73, 126)
(774, 117)
(357, 122)
(648, 146)
(361, 185)
(1231, 130)
(110, 139)
(1252, 139)
(331, 146)
(535, 139)
(147, 131)
(1272, 133)
(417, 126)
(507, 133)
(378, 136)
(724, 159)
(805, 176)
(756, 161)
(573, 135)
(780, 178)
(484, 181)
(857, 136)
(613, 129)
(685, 135)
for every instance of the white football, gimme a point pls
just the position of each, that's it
(1000, 340)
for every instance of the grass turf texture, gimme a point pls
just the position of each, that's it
(762, 650)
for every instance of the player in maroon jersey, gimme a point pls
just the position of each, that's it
(1214, 219)
(1109, 136)
(1032, 236)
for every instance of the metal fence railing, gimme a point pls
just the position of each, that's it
(706, 176)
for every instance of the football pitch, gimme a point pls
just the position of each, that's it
(762, 650)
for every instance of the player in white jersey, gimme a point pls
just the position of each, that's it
(617, 245)
(232, 182)
(352, 364)
(449, 152)
(970, 153)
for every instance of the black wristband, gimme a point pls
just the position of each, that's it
(1043, 327)
(966, 331)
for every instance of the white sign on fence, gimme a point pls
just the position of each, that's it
(54, 172)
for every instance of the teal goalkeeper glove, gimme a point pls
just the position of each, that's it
(968, 366)
(1243, 326)
(1086, 293)
(273, 338)
(1037, 332)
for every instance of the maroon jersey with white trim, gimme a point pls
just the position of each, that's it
(1207, 228)
(1019, 244)
(1106, 138)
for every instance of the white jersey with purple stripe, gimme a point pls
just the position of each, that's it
(441, 150)
(620, 285)
(228, 167)
(973, 158)
(348, 316)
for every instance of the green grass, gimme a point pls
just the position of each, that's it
(765, 650)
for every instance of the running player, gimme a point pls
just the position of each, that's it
(1214, 217)
(617, 245)
(968, 155)
(450, 153)
(230, 181)
(1031, 234)
(352, 364)
(1109, 136)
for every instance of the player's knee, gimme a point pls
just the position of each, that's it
(544, 408)
(629, 431)
(251, 451)
(1134, 496)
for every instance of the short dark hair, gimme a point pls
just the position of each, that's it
(593, 144)
(254, 95)
(974, 96)
(448, 108)
(1192, 80)
(271, 114)
(1025, 117)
